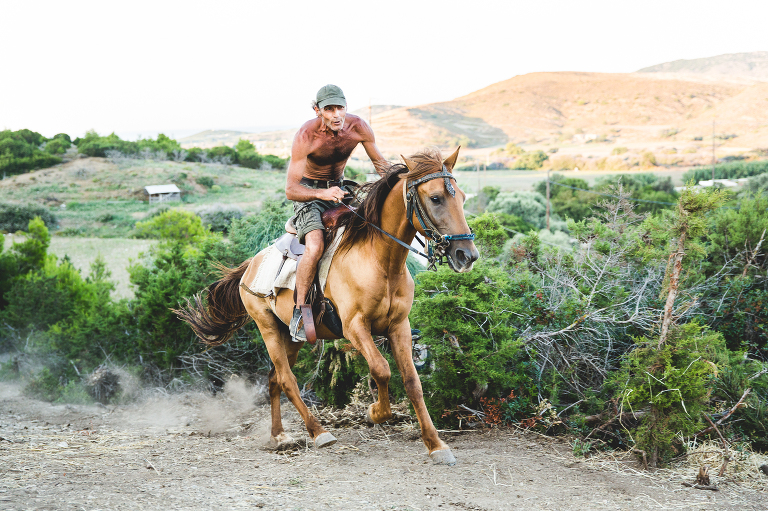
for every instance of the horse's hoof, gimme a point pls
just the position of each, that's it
(369, 418)
(325, 440)
(280, 441)
(443, 457)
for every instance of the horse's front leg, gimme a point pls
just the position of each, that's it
(402, 349)
(359, 334)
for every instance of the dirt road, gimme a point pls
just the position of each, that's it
(192, 451)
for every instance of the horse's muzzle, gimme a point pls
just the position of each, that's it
(462, 256)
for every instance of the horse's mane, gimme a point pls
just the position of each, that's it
(373, 194)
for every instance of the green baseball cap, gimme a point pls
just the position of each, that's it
(330, 95)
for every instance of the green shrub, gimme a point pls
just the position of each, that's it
(206, 181)
(466, 320)
(44, 385)
(672, 382)
(57, 146)
(276, 162)
(731, 170)
(174, 224)
(251, 234)
(648, 159)
(16, 217)
(619, 150)
(222, 152)
(216, 189)
(218, 218)
(355, 174)
(530, 161)
(250, 159)
(19, 152)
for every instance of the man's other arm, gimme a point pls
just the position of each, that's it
(372, 150)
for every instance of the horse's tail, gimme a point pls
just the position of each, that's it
(222, 313)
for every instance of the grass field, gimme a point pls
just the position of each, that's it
(117, 253)
(96, 197)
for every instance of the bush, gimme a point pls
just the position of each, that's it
(619, 150)
(206, 181)
(16, 217)
(466, 322)
(648, 159)
(57, 146)
(218, 218)
(529, 206)
(222, 153)
(530, 161)
(19, 152)
(250, 159)
(174, 224)
(276, 162)
(672, 382)
(732, 170)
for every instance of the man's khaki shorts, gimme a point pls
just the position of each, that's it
(308, 216)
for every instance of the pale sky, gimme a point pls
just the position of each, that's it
(143, 67)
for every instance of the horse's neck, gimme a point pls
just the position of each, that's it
(393, 220)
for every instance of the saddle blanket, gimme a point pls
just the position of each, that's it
(267, 282)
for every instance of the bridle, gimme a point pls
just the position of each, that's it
(437, 244)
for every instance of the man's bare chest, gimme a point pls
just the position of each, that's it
(332, 151)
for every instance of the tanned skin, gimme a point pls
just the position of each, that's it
(320, 150)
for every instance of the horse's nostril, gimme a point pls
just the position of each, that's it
(461, 257)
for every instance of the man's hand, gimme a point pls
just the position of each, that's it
(333, 194)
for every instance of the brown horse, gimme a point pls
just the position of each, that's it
(369, 285)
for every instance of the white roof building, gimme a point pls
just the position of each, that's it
(162, 193)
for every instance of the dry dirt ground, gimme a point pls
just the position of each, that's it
(194, 451)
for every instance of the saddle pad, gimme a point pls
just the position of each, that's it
(268, 282)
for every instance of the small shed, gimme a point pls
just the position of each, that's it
(162, 193)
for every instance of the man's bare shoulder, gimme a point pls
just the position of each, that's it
(308, 129)
(358, 126)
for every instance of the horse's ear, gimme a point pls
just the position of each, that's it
(451, 160)
(409, 163)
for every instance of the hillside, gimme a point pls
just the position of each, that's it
(752, 65)
(669, 107)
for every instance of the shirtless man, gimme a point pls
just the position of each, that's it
(319, 153)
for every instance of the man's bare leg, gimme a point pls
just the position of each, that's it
(314, 245)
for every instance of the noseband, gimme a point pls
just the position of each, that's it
(437, 244)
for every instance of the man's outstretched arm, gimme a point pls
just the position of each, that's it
(372, 150)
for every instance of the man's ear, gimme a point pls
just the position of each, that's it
(451, 160)
(317, 110)
(409, 163)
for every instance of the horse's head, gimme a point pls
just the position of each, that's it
(435, 206)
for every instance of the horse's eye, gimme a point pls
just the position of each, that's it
(435, 199)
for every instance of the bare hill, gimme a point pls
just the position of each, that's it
(647, 109)
(552, 108)
(752, 65)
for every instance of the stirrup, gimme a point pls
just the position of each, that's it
(297, 326)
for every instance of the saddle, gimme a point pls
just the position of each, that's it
(319, 310)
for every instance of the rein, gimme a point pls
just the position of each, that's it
(437, 244)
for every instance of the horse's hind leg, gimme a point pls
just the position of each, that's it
(283, 353)
(278, 436)
(401, 344)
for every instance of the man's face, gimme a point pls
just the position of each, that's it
(332, 116)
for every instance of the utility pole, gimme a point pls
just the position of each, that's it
(547, 199)
(713, 152)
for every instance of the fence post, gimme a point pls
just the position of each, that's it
(547, 199)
